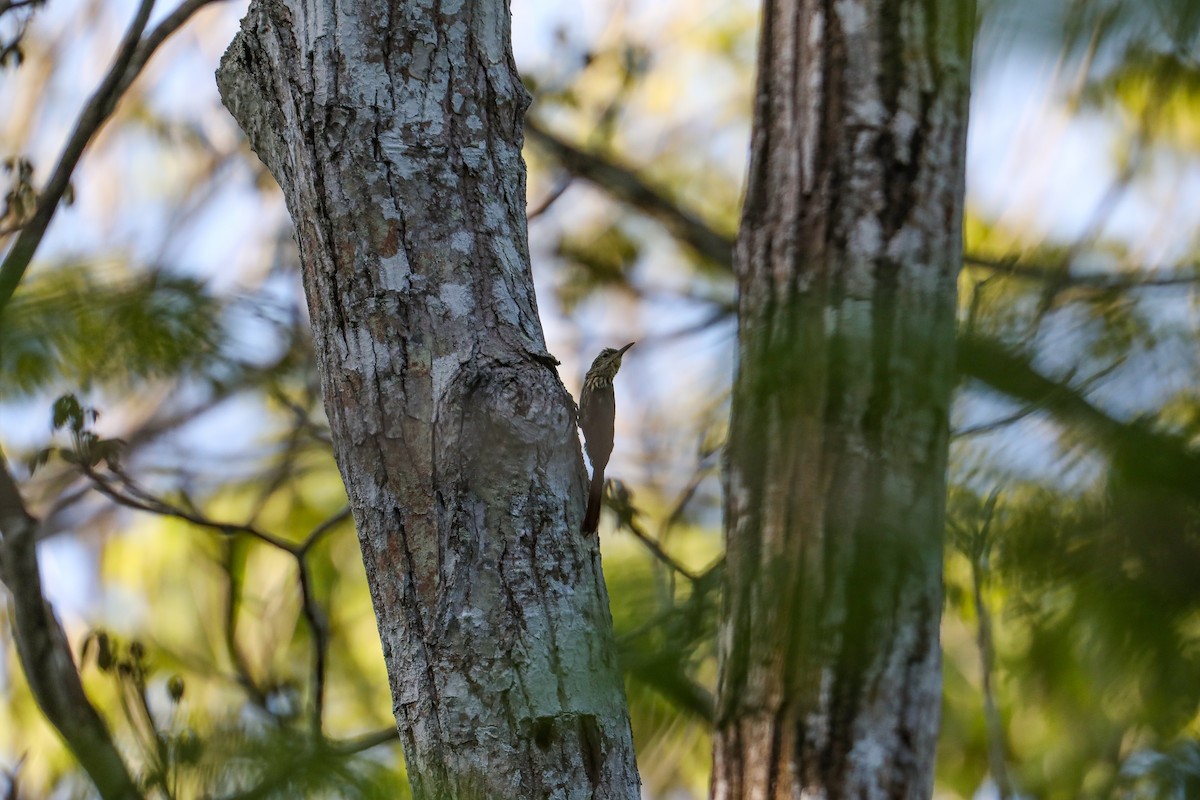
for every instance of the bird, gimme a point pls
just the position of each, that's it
(597, 417)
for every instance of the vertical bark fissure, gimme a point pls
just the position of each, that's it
(836, 465)
(394, 129)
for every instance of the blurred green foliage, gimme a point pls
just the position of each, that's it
(81, 326)
(1089, 572)
(593, 262)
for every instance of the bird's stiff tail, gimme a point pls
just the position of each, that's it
(591, 520)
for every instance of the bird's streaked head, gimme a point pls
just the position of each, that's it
(608, 362)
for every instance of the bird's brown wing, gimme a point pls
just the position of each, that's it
(596, 413)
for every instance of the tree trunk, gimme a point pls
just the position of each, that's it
(847, 260)
(394, 129)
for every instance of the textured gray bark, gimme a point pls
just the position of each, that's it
(847, 260)
(394, 129)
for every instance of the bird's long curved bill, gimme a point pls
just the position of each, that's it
(626, 347)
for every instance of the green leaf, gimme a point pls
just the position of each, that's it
(66, 410)
(39, 459)
(72, 325)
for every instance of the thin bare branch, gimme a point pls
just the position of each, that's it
(163, 31)
(241, 665)
(320, 633)
(1032, 408)
(622, 503)
(322, 529)
(719, 315)
(132, 56)
(125, 492)
(97, 111)
(996, 424)
(128, 494)
(9, 5)
(1161, 457)
(544, 205)
(702, 470)
(997, 759)
(659, 553)
(627, 186)
(1140, 278)
(358, 744)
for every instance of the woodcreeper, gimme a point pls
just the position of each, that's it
(597, 416)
